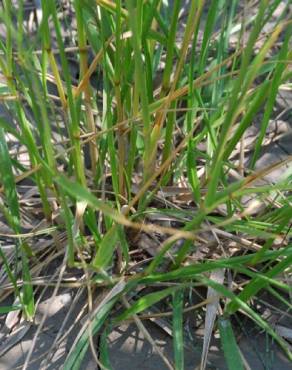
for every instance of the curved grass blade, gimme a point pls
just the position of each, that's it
(249, 311)
(236, 263)
(256, 284)
(97, 319)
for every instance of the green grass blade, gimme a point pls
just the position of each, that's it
(239, 90)
(12, 200)
(7, 179)
(11, 276)
(145, 302)
(229, 345)
(80, 347)
(106, 248)
(250, 312)
(7, 309)
(177, 324)
(73, 124)
(136, 27)
(104, 350)
(256, 284)
(275, 83)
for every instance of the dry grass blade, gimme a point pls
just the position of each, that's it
(148, 337)
(14, 337)
(211, 313)
(42, 322)
(104, 299)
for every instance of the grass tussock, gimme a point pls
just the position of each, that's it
(124, 156)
